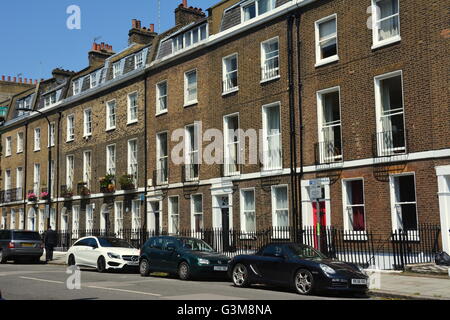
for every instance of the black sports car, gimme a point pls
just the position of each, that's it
(299, 266)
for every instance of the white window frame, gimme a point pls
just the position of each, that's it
(275, 209)
(8, 146)
(139, 60)
(41, 217)
(76, 86)
(276, 70)
(379, 107)
(118, 218)
(193, 213)
(87, 125)
(19, 182)
(37, 139)
(37, 179)
(171, 214)
(244, 212)
(117, 69)
(188, 102)
(160, 158)
(256, 2)
(129, 119)
(8, 180)
(346, 207)
(160, 97)
(112, 104)
(412, 234)
(227, 89)
(19, 142)
(111, 165)
(266, 165)
(376, 23)
(87, 168)
(136, 217)
(324, 158)
(70, 168)
(21, 219)
(70, 135)
(319, 60)
(192, 153)
(51, 134)
(75, 221)
(130, 163)
(228, 145)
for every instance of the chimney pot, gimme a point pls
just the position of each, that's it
(134, 24)
(14, 79)
(185, 3)
(3, 78)
(9, 78)
(152, 27)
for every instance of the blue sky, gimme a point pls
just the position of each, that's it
(34, 38)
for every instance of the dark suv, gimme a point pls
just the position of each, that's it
(186, 257)
(17, 245)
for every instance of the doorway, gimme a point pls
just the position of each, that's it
(222, 222)
(104, 219)
(443, 175)
(154, 217)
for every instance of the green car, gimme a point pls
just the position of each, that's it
(187, 257)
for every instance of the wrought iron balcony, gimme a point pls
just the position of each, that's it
(270, 70)
(190, 172)
(328, 152)
(390, 143)
(11, 195)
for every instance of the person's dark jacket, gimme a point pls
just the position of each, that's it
(50, 238)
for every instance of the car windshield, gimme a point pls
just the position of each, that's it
(306, 252)
(113, 243)
(34, 236)
(195, 245)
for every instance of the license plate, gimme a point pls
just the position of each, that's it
(28, 245)
(133, 263)
(359, 281)
(217, 268)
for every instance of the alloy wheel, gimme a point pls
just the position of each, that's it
(183, 271)
(240, 275)
(303, 282)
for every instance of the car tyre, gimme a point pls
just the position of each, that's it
(240, 276)
(184, 271)
(71, 261)
(3, 258)
(303, 282)
(144, 268)
(101, 265)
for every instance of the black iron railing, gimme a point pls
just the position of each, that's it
(389, 250)
(11, 195)
(390, 143)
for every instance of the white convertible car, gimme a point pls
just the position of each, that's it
(103, 253)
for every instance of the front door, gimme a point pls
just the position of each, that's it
(443, 173)
(222, 223)
(319, 224)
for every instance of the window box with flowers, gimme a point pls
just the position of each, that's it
(32, 197)
(44, 195)
(107, 184)
(126, 182)
(83, 190)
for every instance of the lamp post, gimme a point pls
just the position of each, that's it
(49, 190)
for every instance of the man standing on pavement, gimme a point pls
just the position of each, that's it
(50, 241)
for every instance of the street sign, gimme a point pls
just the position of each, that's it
(315, 189)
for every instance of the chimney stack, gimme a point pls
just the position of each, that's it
(139, 34)
(184, 15)
(98, 54)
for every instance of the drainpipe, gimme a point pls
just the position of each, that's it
(300, 115)
(145, 154)
(25, 171)
(292, 127)
(57, 166)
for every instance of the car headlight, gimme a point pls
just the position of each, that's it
(327, 269)
(113, 255)
(203, 261)
(361, 269)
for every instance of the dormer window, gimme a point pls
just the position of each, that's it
(76, 87)
(117, 70)
(254, 8)
(139, 60)
(190, 38)
(52, 98)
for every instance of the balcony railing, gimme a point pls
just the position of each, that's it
(11, 195)
(190, 172)
(271, 69)
(328, 152)
(230, 83)
(272, 160)
(389, 143)
(161, 177)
